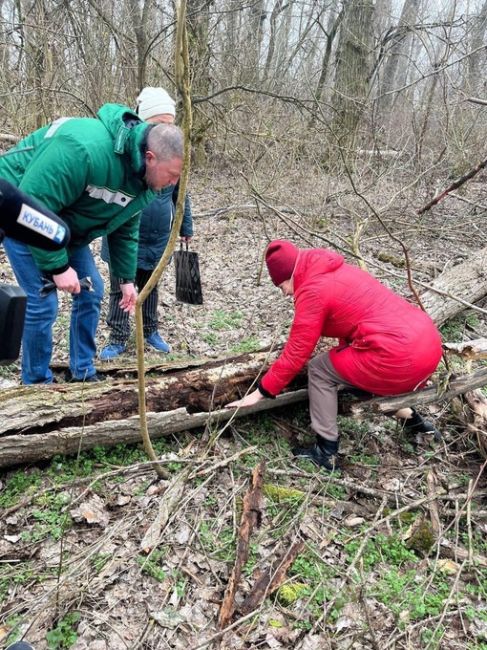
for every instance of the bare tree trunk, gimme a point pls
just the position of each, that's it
(477, 60)
(38, 63)
(253, 44)
(331, 32)
(278, 8)
(352, 72)
(399, 38)
(199, 52)
(430, 94)
(140, 20)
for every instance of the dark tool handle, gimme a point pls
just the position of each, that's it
(48, 285)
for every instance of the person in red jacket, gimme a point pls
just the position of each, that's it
(386, 345)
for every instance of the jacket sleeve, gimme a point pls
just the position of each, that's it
(56, 176)
(122, 249)
(309, 315)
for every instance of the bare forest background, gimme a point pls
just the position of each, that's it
(273, 82)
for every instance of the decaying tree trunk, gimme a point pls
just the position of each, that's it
(37, 423)
(470, 350)
(467, 280)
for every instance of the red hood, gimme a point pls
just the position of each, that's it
(313, 262)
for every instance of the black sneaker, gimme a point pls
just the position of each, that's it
(323, 453)
(68, 377)
(417, 424)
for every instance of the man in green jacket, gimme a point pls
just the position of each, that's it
(97, 174)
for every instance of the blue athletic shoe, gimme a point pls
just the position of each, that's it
(20, 645)
(111, 351)
(156, 341)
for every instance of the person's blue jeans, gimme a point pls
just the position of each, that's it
(42, 312)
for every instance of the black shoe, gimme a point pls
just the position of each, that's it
(20, 645)
(323, 453)
(68, 377)
(417, 424)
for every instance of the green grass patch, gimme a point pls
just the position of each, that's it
(19, 484)
(218, 542)
(382, 549)
(250, 344)
(454, 329)
(151, 565)
(64, 635)
(224, 320)
(403, 592)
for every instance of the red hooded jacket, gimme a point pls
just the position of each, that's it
(387, 345)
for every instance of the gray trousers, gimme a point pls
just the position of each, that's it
(323, 385)
(119, 321)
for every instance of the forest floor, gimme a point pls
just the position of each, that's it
(383, 563)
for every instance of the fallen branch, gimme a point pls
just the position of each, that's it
(454, 186)
(271, 579)
(470, 350)
(251, 517)
(431, 488)
(454, 552)
(456, 386)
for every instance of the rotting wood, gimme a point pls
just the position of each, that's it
(431, 395)
(271, 579)
(475, 350)
(478, 405)
(432, 489)
(251, 517)
(455, 552)
(32, 409)
(468, 280)
(21, 448)
(36, 424)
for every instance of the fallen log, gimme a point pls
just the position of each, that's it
(37, 423)
(468, 280)
(470, 350)
(435, 393)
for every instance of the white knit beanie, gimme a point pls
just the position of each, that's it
(155, 101)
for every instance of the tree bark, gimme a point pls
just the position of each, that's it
(352, 72)
(399, 38)
(38, 423)
(468, 280)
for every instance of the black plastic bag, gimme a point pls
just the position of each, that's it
(188, 280)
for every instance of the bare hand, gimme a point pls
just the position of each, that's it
(67, 281)
(186, 240)
(129, 297)
(248, 400)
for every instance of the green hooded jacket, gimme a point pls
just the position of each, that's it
(90, 172)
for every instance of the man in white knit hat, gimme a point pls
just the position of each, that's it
(156, 106)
